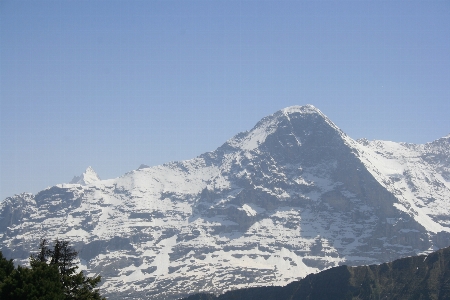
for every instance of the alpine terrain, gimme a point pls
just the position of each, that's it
(293, 196)
(414, 277)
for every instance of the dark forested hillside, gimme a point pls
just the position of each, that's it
(417, 277)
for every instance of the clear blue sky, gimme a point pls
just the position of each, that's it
(113, 84)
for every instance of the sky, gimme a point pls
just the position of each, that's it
(116, 84)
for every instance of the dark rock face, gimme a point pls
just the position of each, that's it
(292, 196)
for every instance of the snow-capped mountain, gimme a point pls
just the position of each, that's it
(89, 176)
(292, 196)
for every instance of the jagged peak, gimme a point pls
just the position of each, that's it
(250, 140)
(89, 176)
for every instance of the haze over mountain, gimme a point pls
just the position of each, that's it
(293, 196)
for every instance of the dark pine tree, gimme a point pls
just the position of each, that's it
(52, 275)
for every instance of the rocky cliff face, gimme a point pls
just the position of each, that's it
(292, 196)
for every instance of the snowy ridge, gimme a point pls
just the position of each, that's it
(292, 196)
(422, 192)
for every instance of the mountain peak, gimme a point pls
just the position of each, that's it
(297, 122)
(290, 197)
(89, 176)
(305, 109)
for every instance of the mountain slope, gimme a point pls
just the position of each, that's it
(417, 277)
(290, 197)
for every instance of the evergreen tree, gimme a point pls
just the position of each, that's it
(44, 252)
(52, 275)
(41, 281)
(6, 267)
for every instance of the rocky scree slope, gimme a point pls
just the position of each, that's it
(292, 196)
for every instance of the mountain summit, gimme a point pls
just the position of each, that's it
(293, 125)
(89, 176)
(292, 196)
